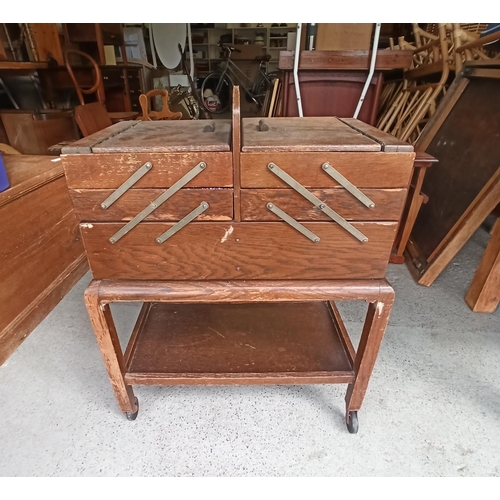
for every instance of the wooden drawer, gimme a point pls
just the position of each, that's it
(388, 204)
(87, 203)
(363, 169)
(247, 250)
(109, 171)
(113, 78)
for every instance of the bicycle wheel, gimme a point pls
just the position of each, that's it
(216, 92)
(265, 83)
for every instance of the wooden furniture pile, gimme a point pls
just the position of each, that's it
(464, 189)
(238, 236)
(439, 52)
(40, 244)
(40, 47)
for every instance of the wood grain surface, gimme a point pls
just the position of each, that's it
(111, 170)
(109, 344)
(484, 291)
(464, 138)
(346, 59)
(33, 265)
(238, 343)
(84, 146)
(28, 172)
(323, 133)
(387, 141)
(168, 136)
(364, 170)
(388, 204)
(206, 292)
(40, 245)
(87, 203)
(246, 250)
(236, 148)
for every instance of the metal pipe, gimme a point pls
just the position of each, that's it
(372, 69)
(296, 70)
(9, 95)
(190, 45)
(9, 41)
(152, 44)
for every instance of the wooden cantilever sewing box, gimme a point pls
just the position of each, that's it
(240, 234)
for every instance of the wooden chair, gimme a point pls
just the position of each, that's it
(94, 117)
(164, 114)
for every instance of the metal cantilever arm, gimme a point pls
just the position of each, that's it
(316, 202)
(159, 201)
(295, 224)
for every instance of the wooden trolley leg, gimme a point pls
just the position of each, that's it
(376, 321)
(105, 331)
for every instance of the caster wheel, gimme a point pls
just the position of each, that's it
(130, 415)
(352, 422)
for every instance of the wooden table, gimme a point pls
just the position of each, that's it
(413, 203)
(259, 227)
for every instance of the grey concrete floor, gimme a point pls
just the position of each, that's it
(432, 407)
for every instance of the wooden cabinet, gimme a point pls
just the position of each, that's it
(92, 37)
(122, 85)
(282, 163)
(40, 244)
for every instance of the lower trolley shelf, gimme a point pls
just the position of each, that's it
(250, 343)
(240, 332)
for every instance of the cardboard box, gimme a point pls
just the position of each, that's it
(248, 52)
(344, 36)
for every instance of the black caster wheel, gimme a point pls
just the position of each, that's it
(352, 422)
(130, 415)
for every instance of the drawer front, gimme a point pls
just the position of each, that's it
(388, 204)
(247, 250)
(364, 170)
(109, 171)
(112, 78)
(87, 203)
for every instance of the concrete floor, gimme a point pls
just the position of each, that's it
(432, 407)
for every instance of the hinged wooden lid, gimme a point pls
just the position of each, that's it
(157, 137)
(27, 173)
(322, 133)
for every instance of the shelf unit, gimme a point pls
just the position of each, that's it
(207, 54)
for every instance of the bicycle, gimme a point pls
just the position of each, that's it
(216, 89)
